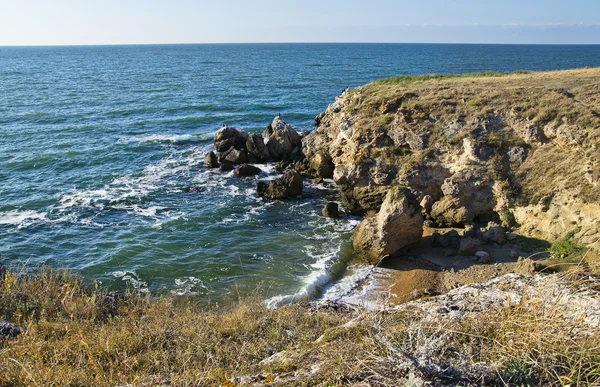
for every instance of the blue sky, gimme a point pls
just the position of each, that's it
(47, 22)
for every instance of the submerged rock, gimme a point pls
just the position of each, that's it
(210, 160)
(247, 170)
(331, 210)
(226, 167)
(289, 185)
(399, 223)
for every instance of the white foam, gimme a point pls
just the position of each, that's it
(186, 285)
(169, 138)
(132, 279)
(355, 276)
(22, 218)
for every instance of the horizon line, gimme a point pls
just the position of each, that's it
(308, 42)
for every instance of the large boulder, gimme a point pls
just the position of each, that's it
(256, 147)
(451, 212)
(282, 139)
(234, 156)
(399, 223)
(228, 137)
(289, 185)
(322, 165)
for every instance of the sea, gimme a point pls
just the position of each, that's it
(101, 159)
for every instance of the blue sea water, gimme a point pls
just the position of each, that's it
(100, 145)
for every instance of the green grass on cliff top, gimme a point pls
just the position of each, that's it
(405, 79)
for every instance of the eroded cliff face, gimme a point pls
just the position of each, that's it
(522, 149)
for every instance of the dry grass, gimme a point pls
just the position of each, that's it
(541, 100)
(76, 338)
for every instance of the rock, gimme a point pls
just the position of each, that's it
(296, 154)
(470, 231)
(282, 140)
(322, 165)
(452, 234)
(469, 246)
(287, 186)
(493, 233)
(451, 213)
(293, 182)
(235, 156)
(226, 138)
(511, 236)
(399, 223)
(516, 154)
(427, 203)
(247, 170)
(483, 257)
(513, 254)
(440, 240)
(226, 167)
(256, 147)
(9, 330)
(331, 210)
(210, 160)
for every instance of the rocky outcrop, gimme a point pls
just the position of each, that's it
(399, 223)
(282, 139)
(289, 185)
(521, 149)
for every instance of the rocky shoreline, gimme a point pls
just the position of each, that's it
(472, 167)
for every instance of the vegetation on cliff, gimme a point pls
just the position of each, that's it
(522, 149)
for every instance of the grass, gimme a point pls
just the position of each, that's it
(406, 79)
(76, 336)
(567, 248)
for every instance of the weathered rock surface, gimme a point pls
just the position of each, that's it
(399, 223)
(473, 148)
(234, 156)
(281, 139)
(322, 166)
(256, 146)
(289, 185)
(247, 170)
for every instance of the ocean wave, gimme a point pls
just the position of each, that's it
(21, 218)
(132, 279)
(348, 284)
(179, 139)
(189, 286)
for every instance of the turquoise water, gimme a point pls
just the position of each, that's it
(99, 147)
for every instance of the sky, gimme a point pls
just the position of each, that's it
(75, 22)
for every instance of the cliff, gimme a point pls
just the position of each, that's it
(518, 149)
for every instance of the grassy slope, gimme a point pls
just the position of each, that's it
(570, 98)
(75, 337)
